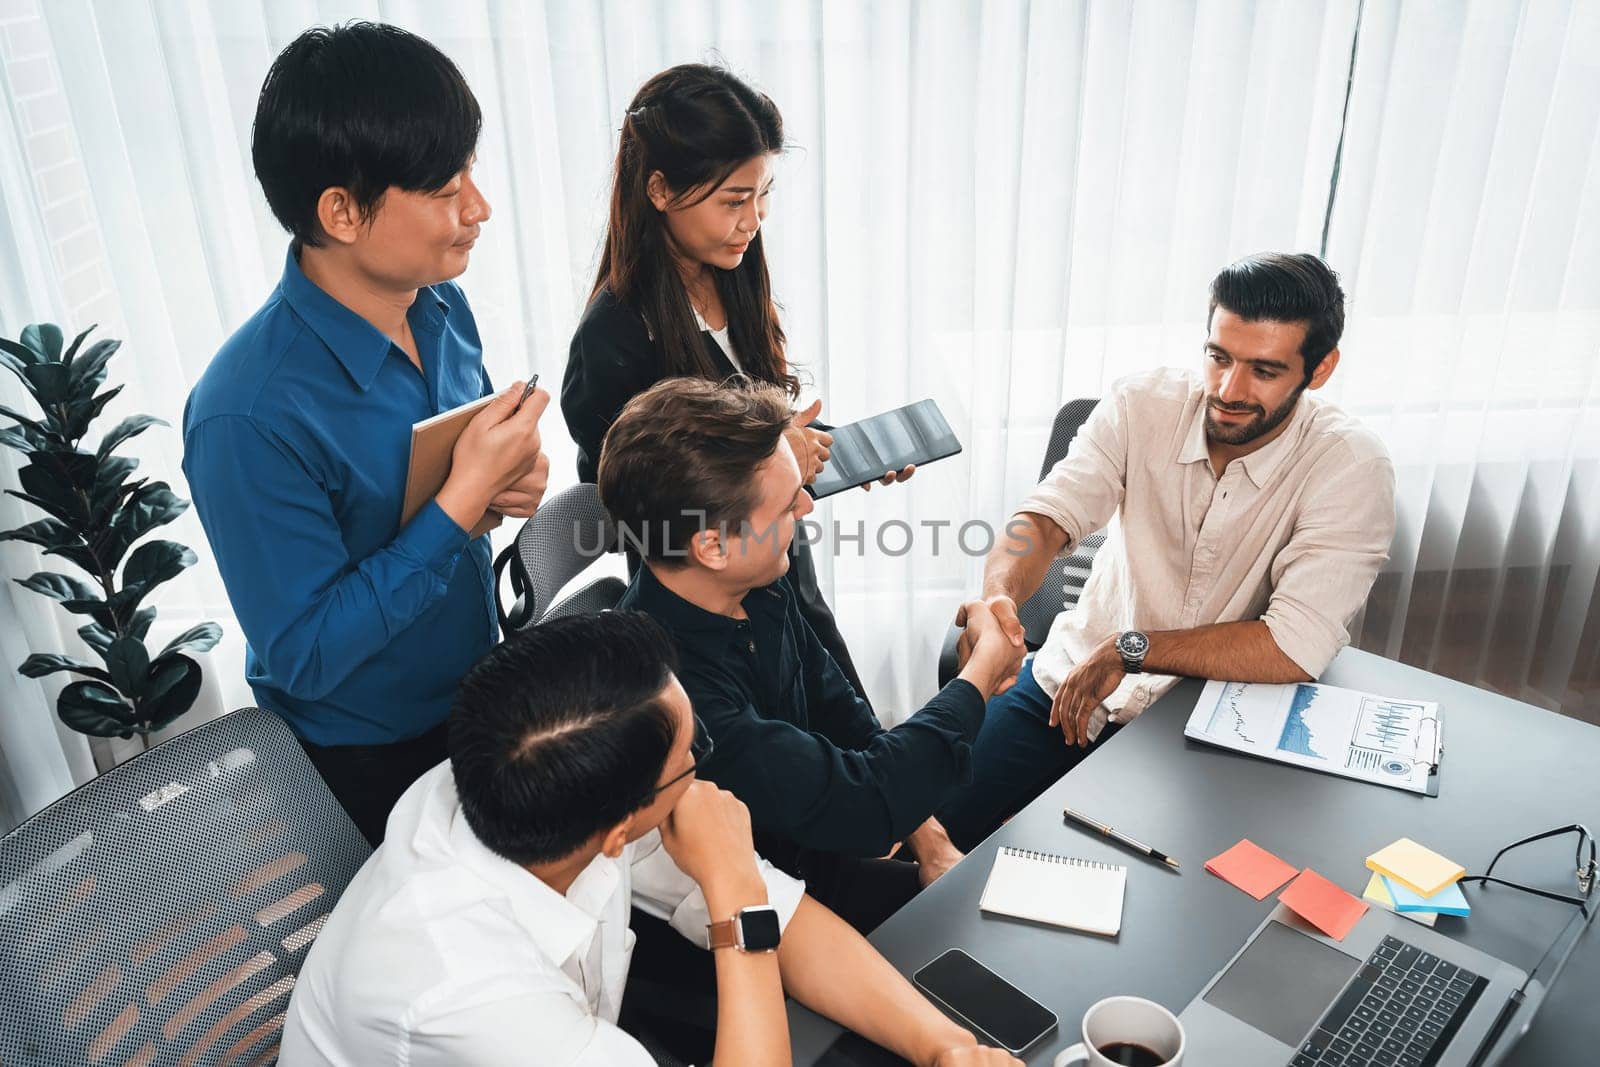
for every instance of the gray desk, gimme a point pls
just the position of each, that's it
(1509, 770)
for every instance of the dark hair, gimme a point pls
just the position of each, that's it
(559, 732)
(696, 124)
(1284, 287)
(682, 457)
(363, 107)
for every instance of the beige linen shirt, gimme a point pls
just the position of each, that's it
(1292, 534)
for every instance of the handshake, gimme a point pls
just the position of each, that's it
(991, 648)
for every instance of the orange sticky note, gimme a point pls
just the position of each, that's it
(1251, 868)
(1322, 904)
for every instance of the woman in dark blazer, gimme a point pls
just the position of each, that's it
(682, 288)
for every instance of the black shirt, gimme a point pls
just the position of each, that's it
(795, 741)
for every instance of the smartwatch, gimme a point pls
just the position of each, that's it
(1132, 647)
(754, 929)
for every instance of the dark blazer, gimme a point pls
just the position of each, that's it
(612, 360)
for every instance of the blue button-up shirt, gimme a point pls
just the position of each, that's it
(296, 445)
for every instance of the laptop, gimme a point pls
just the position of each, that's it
(1392, 993)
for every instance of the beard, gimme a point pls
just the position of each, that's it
(1243, 433)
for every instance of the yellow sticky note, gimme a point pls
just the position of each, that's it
(1380, 896)
(1419, 869)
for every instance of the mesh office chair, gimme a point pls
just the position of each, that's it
(569, 532)
(158, 915)
(1063, 583)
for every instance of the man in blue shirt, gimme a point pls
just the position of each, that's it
(296, 439)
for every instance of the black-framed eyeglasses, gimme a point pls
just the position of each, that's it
(1585, 870)
(700, 748)
(1586, 878)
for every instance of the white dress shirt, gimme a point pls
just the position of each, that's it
(1292, 534)
(441, 952)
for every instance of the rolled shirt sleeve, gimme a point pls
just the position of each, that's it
(660, 888)
(1321, 578)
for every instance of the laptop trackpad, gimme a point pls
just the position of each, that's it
(1282, 983)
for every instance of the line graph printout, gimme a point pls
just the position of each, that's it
(1339, 731)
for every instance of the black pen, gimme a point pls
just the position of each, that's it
(1117, 835)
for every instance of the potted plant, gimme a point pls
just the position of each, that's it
(95, 514)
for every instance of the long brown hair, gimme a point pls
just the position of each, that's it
(696, 124)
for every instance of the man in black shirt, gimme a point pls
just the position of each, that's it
(706, 487)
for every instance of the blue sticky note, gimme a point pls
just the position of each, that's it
(1447, 901)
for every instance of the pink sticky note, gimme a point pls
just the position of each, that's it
(1251, 868)
(1322, 904)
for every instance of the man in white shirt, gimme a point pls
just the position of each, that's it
(491, 927)
(1247, 524)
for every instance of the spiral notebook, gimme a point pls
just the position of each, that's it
(1062, 891)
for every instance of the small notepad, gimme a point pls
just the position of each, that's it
(1059, 890)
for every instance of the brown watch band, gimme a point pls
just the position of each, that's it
(724, 934)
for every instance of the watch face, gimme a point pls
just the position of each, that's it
(759, 929)
(1133, 643)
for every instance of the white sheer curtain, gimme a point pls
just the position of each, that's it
(1001, 205)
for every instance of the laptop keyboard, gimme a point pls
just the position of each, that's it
(1400, 1010)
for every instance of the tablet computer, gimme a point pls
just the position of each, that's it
(867, 450)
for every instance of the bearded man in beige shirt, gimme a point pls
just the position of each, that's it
(1245, 522)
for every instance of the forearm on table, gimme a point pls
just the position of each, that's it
(1234, 651)
(832, 970)
(1021, 556)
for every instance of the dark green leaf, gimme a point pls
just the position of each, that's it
(44, 338)
(42, 663)
(98, 610)
(79, 554)
(129, 663)
(128, 427)
(68, 465)
(89, 369)
(174, 683)
(154, 504)
(139, 625)
(110, 612)
(96, 709)
(80, 413)
(50, 383)
(22, 353)
(33, 424)
(108, 481)
(201, 638)
(155, 562)
(96, 637)
(15, 365)
(46, 478)
(102, 510)
(62, 587)
(46, 533)
(22, 438)
(72, 349)
(42, 505)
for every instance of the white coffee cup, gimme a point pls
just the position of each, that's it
(1126, 1020)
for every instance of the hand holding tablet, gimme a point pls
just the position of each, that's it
(863, 452)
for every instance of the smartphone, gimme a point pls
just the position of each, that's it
(996, 1010)
(865, 451)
